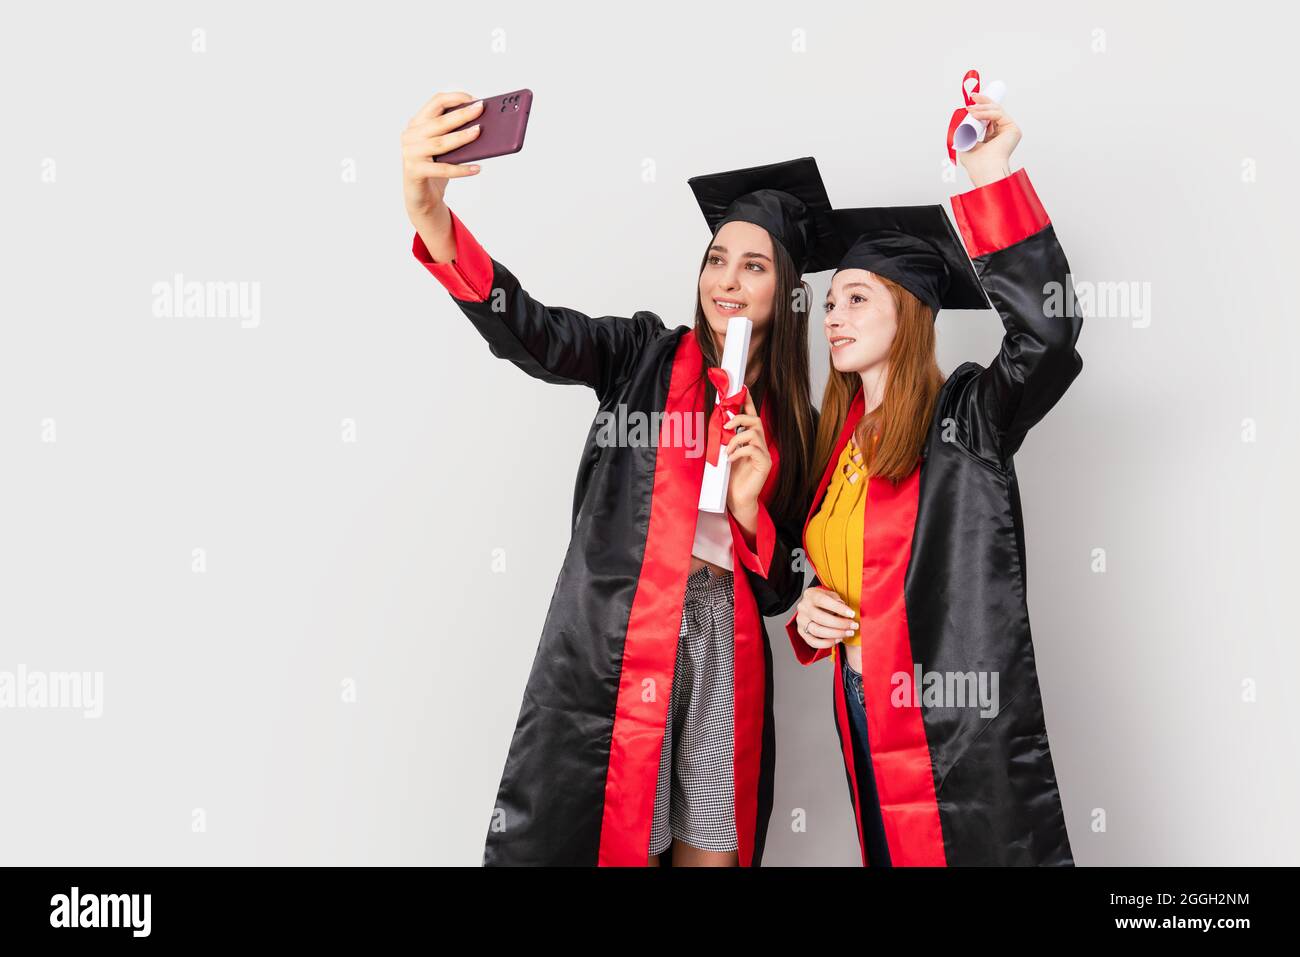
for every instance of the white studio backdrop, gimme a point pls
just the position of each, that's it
(307, 544)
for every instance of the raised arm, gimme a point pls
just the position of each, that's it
(1013, 246)
(1023, 269)
(552, 343)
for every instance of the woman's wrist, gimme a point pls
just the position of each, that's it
(983, 175)
(434, 227)
(746, 517)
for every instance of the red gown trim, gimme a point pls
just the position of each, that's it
(900, 751)
(650, 645)
(999, 214)
(750, 664)
(760, 562)
(469, 275)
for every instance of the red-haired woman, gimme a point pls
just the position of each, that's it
(915, 531)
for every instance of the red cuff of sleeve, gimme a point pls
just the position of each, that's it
(761, 563)
(998, 215)
(469, 275)
(803, 651)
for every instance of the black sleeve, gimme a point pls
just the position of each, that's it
(1028, 283)
(556, 343)
(784, 584)
(551, 343)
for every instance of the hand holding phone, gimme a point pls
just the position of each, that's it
(424, 181)
(502, 125)
(438, 145)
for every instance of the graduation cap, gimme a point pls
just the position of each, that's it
(787, 199)
(916, 247)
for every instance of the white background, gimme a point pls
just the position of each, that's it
(1161, 139)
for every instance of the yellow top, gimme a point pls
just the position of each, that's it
(835, 532)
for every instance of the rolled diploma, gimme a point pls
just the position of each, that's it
(971, 130)
(735, 355)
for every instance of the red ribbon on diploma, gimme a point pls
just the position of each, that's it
(729, 404)
(959, 114)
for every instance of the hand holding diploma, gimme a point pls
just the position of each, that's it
(750, 464)
(990, 160)
(981, 133)
(729, 380)
(965, 131)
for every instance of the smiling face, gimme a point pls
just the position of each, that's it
(861, 320)
(738, 278)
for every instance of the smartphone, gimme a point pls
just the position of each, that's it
(504, 120)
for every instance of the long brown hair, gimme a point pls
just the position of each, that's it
(783, 386)
(902, 420)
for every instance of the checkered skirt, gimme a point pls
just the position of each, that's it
(695, 798)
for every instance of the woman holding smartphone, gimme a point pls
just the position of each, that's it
(915, 530)
(646, 725)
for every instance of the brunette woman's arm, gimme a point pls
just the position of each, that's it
(764, 541)
(552, 343)
(772, 560)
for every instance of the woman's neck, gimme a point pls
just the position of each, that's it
(873, 386)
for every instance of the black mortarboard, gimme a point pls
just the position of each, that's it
(787, 199)
(916, 247)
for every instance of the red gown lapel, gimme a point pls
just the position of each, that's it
(750, 671)
(650, 645)
(900, 752)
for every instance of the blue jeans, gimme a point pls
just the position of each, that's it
(873, 828)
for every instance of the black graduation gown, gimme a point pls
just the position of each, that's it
(943, 586)
(580, 779)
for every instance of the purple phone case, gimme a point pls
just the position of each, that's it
(504, 120)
